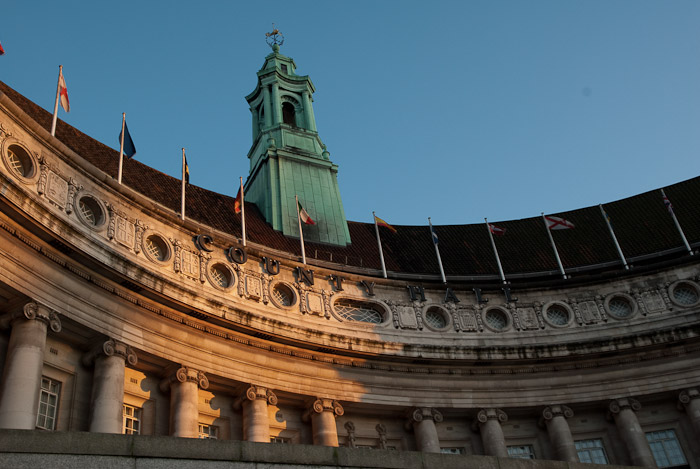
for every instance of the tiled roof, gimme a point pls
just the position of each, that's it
(642, 224)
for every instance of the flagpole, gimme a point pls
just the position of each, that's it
(301, 233)
(554, 246)
(55, 106)
(121, 150)
(243, 211)
(678, 225)
(379, 243)
(495, 251)
(612, 233)
(182, 197)
(437, 252)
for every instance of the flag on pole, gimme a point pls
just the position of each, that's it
(239, 207)
(434, 237)
(497, 230)
(127, 143)
(612, 234)
(379, 222)
(185, 181)
(433, 234)
(303, 215)
(554, 246)
(2, 51)
(667, 203)
(65, 104)
(186, 169)
(557, 223)
(495, 250)
(301, 210)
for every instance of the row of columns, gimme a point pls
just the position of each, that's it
(22, 374)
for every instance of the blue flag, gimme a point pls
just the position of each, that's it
(129, 148)
(435, 237)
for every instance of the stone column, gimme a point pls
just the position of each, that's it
(308, 111)
(267, 108)
(554, 418)
(688, 400)
(489, 424)
(184, 387)
(322, 414)
(106, 405)
(21, 382)
(623, 412)
(422, 420)
(276, 104)
(256, 423)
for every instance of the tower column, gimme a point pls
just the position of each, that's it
(623, 412)
(21, 382)
(256, 423)
(689, 400)
(267, 108)
(107, 402)
(308, 111)
(184, 387)
(423, 419)
(559, 432)
(489, 424)
(322, 414)
(276, 105)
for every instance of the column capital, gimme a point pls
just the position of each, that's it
(686, 396)
(321, 405)
(185, 374)
(617, 405)
(418, 414)
(111, 348)
(253, 393)
(558, 410)
(33, 310)
(484, 415)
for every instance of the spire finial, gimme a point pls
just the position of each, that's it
(274, 38)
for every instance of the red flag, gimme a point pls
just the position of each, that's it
(381, 222)
(303, 214)
(2, 51)
(497, 230)
(557, 223)
(237, 202)
(63, 92)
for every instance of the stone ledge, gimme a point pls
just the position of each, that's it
(32, 448)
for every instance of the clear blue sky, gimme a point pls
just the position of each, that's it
(452, 109)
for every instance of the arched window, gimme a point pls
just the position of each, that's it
(288, 116)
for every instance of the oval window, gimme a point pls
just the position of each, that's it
(283, 295)
(352, 310)
(497, 319)
(435, 318)
(90, 211)
(157, 248)
(20, 162)
(220, 276)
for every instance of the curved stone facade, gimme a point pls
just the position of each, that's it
(119, 315)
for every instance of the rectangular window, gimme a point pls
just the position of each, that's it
(208, 432)
(451, 450)
(666, 449)
(132, 420)
(48, 404)
(591, 451)
(522, 452)
(279, 439)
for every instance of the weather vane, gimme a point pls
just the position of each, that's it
(274, 38)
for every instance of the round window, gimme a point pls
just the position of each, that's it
(685, 294)
(283, 295)
(496, 319)
(435, 318)
(156, 248)
(557, 315)
(220, 276)
(20, 162)
(620, 307)
(90, 211)
(352, 310)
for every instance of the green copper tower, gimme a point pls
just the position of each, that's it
(287, 156)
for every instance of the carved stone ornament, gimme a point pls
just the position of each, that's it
(617, 405)
(140, 229)
(552, 411)
(485, 415)
(258, 392)
(686, 396)
(321, 405)
(381, 431)
(4, 132)
(73, 188)
(350, 428)
(177, 262)
(34, 310)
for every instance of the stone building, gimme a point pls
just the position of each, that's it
(119, 315)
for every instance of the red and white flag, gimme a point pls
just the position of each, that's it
(63, 92)
(303, 214)
(496, 230)
(557, 223)
(237, 202)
